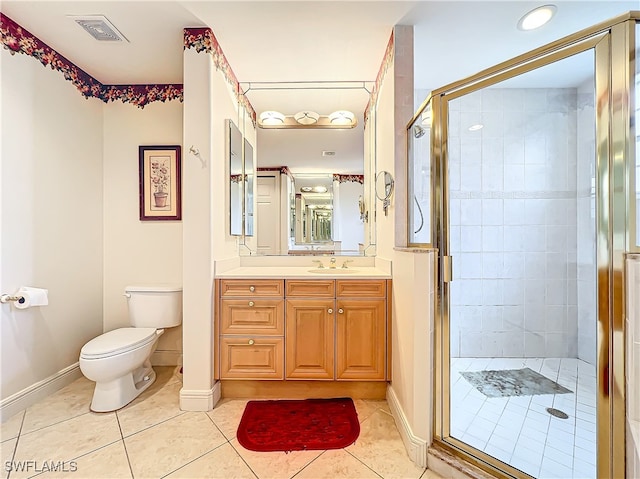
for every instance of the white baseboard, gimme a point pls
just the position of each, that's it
(416, 447)
(166, 358)
(200, 400)
(38, 391)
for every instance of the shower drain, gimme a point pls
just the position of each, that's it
(557, 413)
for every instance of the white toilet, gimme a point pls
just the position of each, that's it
(119, 360)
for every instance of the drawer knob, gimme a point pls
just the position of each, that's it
(252, 288)
(341, 311)
(251, 303)
(251, 341)
(330, 311)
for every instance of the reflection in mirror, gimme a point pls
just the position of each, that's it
(345, 157)
(384, 188)
(249, 179)
(234, 154)
(313, 214)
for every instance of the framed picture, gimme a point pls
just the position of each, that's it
(160, 195)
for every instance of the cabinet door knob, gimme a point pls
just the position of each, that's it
(251, 303)
(330, 311)
(251, 341)
(252, 288)
(341, 311)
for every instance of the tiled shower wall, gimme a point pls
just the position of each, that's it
(514, 222)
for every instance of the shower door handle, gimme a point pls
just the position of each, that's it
(447, 269)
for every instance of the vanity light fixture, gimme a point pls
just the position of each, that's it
(341, 117)
(271, 118)
(306, 117)
(476, 127)
(313, 189)
(537, 17)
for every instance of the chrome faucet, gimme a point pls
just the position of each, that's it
(344, 265)
(320, 265)
(332, 263)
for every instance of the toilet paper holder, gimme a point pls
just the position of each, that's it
(8, 298)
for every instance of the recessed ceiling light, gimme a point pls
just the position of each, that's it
(271, 118)
(537, 17)
(306, 117)
(476, 127)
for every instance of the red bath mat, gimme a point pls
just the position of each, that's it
(298, 425)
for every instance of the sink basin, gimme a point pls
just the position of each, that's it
(333, 271)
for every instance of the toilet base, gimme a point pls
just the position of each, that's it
(112, 395)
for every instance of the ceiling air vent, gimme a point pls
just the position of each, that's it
(99, 28)
(328, 153)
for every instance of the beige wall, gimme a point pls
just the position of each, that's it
(51, 220)
(208, 101)
(138, 252)
(413, 289)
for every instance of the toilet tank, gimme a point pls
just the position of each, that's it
(158, 306)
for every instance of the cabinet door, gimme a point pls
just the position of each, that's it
(360, 339)
(251, 358)
(310, 338)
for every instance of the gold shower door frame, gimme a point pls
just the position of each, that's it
(613, 44)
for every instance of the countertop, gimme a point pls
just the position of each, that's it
(303, 272)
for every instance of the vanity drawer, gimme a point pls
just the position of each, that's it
(251, 358)
(252, 316)
(252, 287)
(363, 288)
(310, 288)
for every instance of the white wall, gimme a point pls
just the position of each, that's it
(52, 220)
(138, 252)
(413, 287)
(208, 101)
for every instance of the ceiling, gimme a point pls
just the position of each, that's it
(298, 41)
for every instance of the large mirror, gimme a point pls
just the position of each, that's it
(241, 179)
(236, 191)
(292, 217)
(249, 177)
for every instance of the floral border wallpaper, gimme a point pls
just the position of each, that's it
(203, 40)
(348, 178)
(284, 170)
(18, 40)
(384, 66)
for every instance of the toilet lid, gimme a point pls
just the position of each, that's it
(117, 341)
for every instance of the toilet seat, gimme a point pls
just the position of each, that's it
(117, 342)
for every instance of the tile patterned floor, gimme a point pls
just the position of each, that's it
(518, 430)
(153, 438)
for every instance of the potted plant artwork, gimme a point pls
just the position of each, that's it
(160, 181)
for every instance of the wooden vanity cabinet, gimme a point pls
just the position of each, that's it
(342, 336)
(251, 329)
(308, 329)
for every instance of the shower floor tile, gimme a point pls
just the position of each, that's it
(518, 430)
